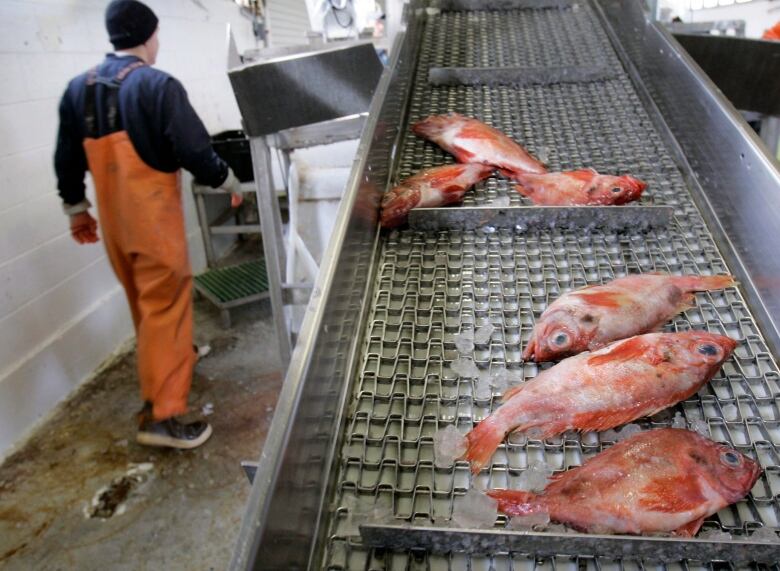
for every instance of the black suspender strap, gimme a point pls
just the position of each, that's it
(112, 99)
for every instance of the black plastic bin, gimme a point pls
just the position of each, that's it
(233, 148)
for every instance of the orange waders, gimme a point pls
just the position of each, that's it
(142, 223)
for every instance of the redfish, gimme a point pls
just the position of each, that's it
(583, 187)
(431, 187)
(624, 381)
(666, 480)
(591, 317)
(472, 141)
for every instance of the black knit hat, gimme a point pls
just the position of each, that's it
(129, 23)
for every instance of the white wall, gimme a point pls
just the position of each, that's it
(288, 22)
(756, 14)
(62, 311)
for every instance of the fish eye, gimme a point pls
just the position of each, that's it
(560, 339)
(616, 189)
(708, 349)
(730, 458)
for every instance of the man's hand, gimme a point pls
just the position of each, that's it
(83, 228)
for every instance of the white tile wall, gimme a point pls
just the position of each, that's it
(61, 310)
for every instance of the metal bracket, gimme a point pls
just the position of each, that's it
(530, 218)
(250, 469)
(461, 5)
(542, 544)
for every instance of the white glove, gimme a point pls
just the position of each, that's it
(232, 185)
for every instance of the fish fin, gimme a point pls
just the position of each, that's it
(526, 191)
(528, 352)
(517, 502)
(600, 420)
(631, 348)
(607, 298)
(672, 494)
(585, 175)
(688, 301)
(511, 392)
(703, 283)
(483, 440)
(689, 529)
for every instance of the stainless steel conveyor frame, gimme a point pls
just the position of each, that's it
(369, 381)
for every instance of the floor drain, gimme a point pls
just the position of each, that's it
(109, 500)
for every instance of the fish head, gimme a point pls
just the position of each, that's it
(616, 189)
(562, 332)
(729, 472)
(703, 350)
(437, 125)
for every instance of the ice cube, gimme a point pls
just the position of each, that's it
(464, 342)
(610, 435)
(543, 154)
(714, 535)
(678, 421)
(536, 477)
(465, 368)
(557, 528)
(207, 409)
(474, 510)
(482, 335)
(629, 430)
(730, 412)
(501, 201)
(499, 379)
(700, 426)
(536, 521)
(366, 509)
(765, 534)
(448, 445)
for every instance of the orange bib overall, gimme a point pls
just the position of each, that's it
(142, 224)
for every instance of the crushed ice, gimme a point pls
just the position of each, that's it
(622, 433)
(701, 427)
(464, 342)
(474, 510)
(207, 409)
(678, 421)
(536, 477)
(482, 335)
(715, 535)
(366, 509)
(765, 534)
(501, 201)
(536, 522)
(483, 385)
(448, 445)
(730, 412)
(465, 368)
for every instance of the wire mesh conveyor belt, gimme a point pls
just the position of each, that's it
(430, 286)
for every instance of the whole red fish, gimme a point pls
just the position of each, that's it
(656, 481)
(591, 317)
(580, 187)
(472, 141)
(435, 186)
(624, 381)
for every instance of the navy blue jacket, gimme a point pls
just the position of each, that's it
(154, 110)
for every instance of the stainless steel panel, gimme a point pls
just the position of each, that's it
(372, 380)
(522, 219)
(291, 485)
(442, 540)
(304, 88)
(518, 76)
(737, 182)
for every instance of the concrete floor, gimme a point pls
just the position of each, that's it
(80, 494)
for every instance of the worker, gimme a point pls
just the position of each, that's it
(133, 128)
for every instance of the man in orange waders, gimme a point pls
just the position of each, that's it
(133, 128)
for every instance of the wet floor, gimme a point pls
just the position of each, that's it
(80, 494)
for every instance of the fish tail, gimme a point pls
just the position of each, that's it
(703, 283)
(483, 441)
(517, 502)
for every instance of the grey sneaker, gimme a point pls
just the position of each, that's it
(171, 433)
